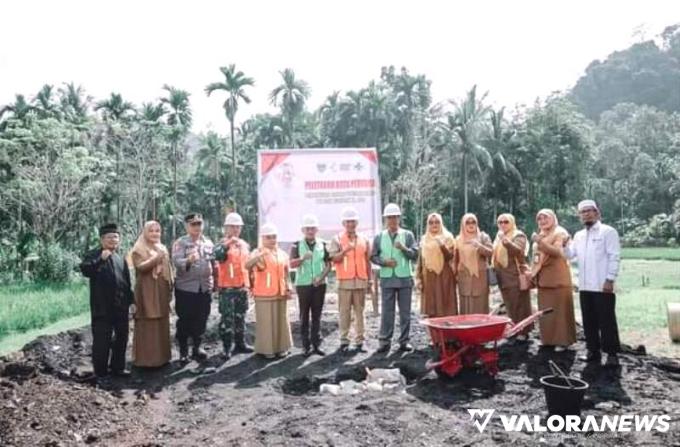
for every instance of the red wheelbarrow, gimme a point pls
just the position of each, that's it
(462, 340)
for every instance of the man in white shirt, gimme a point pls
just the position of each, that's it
(597, 250)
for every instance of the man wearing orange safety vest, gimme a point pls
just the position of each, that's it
(350, 253)
(233, 283)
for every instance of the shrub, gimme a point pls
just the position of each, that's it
(55, 264)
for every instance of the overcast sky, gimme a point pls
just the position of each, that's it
(517, 50)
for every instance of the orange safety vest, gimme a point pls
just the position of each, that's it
(353, 264)
(271, 280)
(232, 273)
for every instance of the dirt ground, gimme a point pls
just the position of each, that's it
(45, 401)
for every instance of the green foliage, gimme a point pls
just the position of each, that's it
(55, 264)
(69, 163)
(29, 306)
(645, 73)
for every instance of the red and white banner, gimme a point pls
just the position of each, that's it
(295, 182)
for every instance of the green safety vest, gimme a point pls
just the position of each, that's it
(387, 251)
(311, 268)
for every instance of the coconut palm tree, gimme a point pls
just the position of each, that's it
(45, 103)
(114, 108)
(19, 109)
(74, 103)
(503, 172)
(234, 84)
(179, 118)
(466, 123)
(290, 96)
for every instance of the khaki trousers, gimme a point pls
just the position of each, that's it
(348, 300)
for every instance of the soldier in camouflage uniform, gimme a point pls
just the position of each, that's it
(233, 283)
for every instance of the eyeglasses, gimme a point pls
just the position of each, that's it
(196, 224)
(503, 221)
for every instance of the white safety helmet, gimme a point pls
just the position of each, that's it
(233, 219)
(269, 229)
(310, 221)
(349, 213)
(392, 209)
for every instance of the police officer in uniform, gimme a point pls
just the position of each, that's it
(192, 255)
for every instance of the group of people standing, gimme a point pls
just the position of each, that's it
(453, 274)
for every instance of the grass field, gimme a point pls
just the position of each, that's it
(30, 306)
(643, 289)
(664, 253)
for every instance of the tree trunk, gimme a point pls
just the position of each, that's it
(233, 150)
(174, 190)
(465, 182)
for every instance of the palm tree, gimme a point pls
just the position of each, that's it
(291, 96)
(466, 123)
(19, 109)
(74, 102)
(45, 104)
(179, 119)
(152, 113)
(234, 84)
(210, 157)
(114, 110)
(503, 171)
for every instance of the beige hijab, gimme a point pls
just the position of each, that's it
(551, 235)
(433, 258)
(500, 253)
(468, 253)
(146, 249)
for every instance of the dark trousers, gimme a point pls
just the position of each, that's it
(311, 300)
(599, 321)
(109, 342)
(193, 310)
(390, 297)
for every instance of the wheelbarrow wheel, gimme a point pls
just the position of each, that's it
(441, 374)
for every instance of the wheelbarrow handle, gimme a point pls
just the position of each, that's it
(519, 327)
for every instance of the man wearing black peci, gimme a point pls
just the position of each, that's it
(110, 301)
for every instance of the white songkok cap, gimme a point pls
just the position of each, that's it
(583, 204)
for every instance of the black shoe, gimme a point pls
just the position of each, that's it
(612, 361)
(406, 347)
(226, 355)
(359, 347)
(243, 349)
(103, 382)
(383, 349)
(318, 351)
(122, 374)
(591, 356)
(183, 352)
(343, 348)
(199, 354)
(306, 351)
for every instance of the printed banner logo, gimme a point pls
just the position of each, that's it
(480, 417)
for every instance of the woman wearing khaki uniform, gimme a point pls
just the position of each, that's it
(435, 271)
(509, 260)
(473, 250)
(153, 293)
(552, 275)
